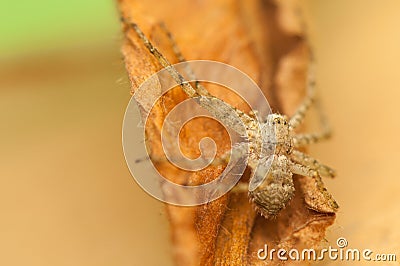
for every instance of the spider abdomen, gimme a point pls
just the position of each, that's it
(273, 191)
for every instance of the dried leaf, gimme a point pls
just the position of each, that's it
(264, 39)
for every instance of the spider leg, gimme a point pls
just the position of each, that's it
(299, 115)
(313, 201)
(235, 154)
(304, 159)
(229, 115)
(200, 88)
(238, 152)
(222, 160)
(301, 140)
(187, 88)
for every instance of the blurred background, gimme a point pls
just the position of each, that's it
(66, 195)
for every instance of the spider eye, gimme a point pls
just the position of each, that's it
(285, 123)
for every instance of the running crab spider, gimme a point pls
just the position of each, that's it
(271, 190)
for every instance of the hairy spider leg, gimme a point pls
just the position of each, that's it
(303, 170)
(223, 111)
(305, 159)
(178, 53)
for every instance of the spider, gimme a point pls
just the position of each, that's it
(271, 190)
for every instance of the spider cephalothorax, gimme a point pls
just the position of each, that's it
(277, 133)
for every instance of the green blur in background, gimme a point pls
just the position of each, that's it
(30, 26)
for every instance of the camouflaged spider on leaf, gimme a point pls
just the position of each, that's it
(273, 141)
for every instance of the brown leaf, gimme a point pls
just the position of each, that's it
(264, 39)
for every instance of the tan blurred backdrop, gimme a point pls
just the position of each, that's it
(66, 196)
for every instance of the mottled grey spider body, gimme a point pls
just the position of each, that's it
(273, 141)
(272, 191)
